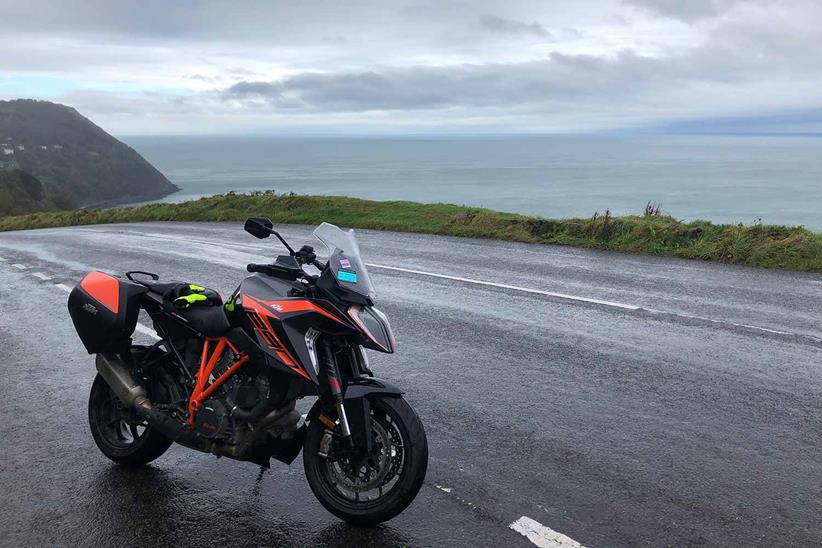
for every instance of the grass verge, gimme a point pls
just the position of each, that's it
(760, 245)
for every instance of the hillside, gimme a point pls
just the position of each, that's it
(73, 157)
(22, 193)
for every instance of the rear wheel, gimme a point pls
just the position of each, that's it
(376, 487)
(119, 433)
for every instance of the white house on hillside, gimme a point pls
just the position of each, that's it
(8, 151)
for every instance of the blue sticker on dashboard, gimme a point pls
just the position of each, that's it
(347, 276)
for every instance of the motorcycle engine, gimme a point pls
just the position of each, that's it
(238, 399)
(213, 419)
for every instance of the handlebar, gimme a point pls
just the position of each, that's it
(306, 255)
(263, 268)
(274, 270)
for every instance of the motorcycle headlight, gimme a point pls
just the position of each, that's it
(374, 325)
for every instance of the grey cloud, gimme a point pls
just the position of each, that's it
(501, 25)
(560, 78)
(263, 89)
(685, 10)
(394, 90)
(271, 93)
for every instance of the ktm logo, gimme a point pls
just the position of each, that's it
(90, 308)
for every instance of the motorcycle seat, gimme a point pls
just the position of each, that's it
(211, 321)
(162, 288)
(182, 294)
(199, 307)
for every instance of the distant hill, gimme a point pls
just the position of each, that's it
(22, 193)
(74, 158)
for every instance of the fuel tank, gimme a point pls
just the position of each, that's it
(285, 323)
(269, 288)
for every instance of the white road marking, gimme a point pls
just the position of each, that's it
(600, 302)
(441, 488)
(744, 326)
(20, 266)
(757, 328)
(563, 296)
(41, 276)
(64, 287)
(145, 330)
(542, 536)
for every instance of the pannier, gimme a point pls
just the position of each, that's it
(104, 310)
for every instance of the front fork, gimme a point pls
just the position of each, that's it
(360, 438)
(332, 373)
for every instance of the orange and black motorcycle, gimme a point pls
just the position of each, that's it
(224, 377)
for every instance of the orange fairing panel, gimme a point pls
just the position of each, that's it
(291, 305)
(104, 289)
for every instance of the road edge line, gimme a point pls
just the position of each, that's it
(563, 296)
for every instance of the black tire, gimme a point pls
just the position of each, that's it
(406, 477)
(119, 433)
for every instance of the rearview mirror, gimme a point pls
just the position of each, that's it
(259, 227)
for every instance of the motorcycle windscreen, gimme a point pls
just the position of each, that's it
(345, 260)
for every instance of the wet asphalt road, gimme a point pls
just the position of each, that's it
(658, 402)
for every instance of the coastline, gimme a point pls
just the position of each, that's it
(131, 201)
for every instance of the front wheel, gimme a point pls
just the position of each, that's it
(373, 488)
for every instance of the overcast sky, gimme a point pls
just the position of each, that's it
(417, 66)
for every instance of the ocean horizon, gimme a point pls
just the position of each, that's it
(772, 179)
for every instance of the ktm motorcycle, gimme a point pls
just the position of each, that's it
(224, 377)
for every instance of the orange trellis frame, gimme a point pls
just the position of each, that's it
(207, 363)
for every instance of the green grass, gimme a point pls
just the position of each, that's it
(755, 245)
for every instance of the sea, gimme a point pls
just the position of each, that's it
(722, 178)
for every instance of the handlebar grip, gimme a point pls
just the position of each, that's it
(251, 267)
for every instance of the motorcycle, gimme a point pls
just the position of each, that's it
(224, 376)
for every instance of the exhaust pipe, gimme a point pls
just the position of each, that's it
(120, 380)
(133, 394)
